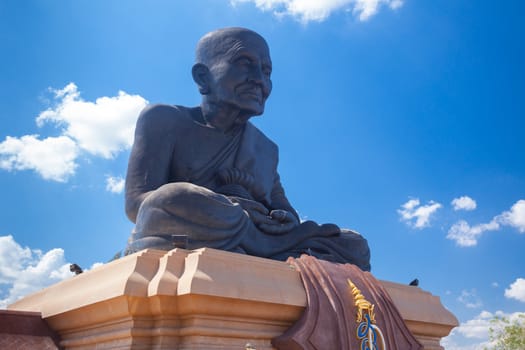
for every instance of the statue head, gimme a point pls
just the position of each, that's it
(233, 67)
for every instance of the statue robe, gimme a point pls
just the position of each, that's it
(189, 200)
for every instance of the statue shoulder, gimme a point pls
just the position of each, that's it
(161, 120)
(161, 117)
(261, 138)
(163, 114)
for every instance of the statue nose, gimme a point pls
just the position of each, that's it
(258, 77)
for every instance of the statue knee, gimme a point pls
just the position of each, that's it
(183, 198)
(173, 195)
(185, 208)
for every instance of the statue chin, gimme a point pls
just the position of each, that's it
(250, 109)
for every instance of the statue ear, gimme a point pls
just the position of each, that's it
(201, 76)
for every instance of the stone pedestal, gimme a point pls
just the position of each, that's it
(21, 330)
(201, 299)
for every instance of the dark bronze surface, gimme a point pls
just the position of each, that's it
(208, 174)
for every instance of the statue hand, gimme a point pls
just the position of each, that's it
(257, 212)
(273, 222)
(282, 222)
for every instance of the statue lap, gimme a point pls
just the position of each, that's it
(209, 219)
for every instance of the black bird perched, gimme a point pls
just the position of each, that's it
(414, 283)
(76, 269)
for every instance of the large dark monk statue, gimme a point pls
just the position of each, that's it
(208, 174)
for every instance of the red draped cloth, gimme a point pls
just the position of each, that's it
(337, 295)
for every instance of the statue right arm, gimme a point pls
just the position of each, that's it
(151, 155)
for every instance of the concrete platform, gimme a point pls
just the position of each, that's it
(200, 299)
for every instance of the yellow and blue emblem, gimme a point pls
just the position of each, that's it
(368, 333)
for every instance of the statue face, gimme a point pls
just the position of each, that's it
(241, 76)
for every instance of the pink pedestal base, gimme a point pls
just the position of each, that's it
(201, 299)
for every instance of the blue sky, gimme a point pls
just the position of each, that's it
(385, 113)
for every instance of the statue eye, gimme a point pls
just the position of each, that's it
(243, 61)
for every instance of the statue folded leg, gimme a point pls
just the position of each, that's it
(346, 247)
(209, 219)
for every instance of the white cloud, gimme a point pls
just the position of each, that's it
(516, 290)
(470, 299)
(417, 215)
(12, 257)
(115, 184)
(365, 9)
(102, 128)
(478, 327)
(467, 236)
(515, 217)
(464, 203)
(395, 4)
(451, 343)
(94, 266)
(24, 270)
(315, 10)
(474, 334)
(53, 157)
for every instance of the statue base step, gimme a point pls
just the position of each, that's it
(200, 299)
